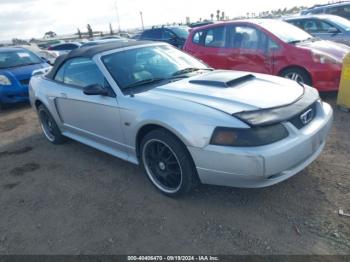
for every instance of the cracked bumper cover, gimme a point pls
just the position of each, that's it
(265, 165)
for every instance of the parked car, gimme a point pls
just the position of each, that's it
(174, 35)
(271, 47)
(16, 67)
(327, 27)
(46, 55)
(64, 48)
(198, 24)
(109, 37)
(136, 36)
(341, 9)
(125, 35)
(151, 104)
(103, 41)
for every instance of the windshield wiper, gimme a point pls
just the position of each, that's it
(294, 42)
(312, 39)
(144, 82)
(189, 70)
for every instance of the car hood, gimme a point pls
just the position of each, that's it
(23, 72)
(233, 91)
(336, 50)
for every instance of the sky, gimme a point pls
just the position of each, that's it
(32, 18)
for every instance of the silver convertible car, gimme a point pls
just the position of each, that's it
(151, 104)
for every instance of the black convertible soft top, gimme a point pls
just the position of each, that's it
(91, 51)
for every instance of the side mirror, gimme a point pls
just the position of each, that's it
(46, 60)
(95, 90)
(332, 30)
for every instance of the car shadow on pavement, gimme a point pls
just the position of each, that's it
(10, 108)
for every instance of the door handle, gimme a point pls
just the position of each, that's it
(64, 95)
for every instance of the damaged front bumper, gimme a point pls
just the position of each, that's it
(265, 165)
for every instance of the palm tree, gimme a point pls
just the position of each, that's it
(110, 29)
(79, 33)
(89, 29)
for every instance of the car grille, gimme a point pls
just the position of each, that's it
(308, 115)
(24, 82)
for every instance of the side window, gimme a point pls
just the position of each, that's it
(272, 45)
(80, 72)
(152, 34)
(317, 11)
(310, 26)
(343, 11)
(215, 37)
(71, 47)
(145, 34)
(198, 38)
(58, 48)
(334, 10)
(60, 74)
(168, 34)
(248, 38)
(324, 26)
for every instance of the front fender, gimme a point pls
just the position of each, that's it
(191, 133)
(192, 123)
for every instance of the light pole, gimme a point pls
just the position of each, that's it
(143, 28)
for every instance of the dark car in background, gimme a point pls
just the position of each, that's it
(64, 48)
(16, 68)
(327, 27)
(103, 41)
(271, 47)
(341, 9)
(174, 35)
(198, 24)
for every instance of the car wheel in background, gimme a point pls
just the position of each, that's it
(49, 126)
(168, 164)
(298, 75)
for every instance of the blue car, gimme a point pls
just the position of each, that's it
(16, 67)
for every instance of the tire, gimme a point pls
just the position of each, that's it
(49, 126)
(167, 163)
(297, 74)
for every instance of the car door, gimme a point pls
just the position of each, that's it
(248, 49)
(210, 46)
(88, 118)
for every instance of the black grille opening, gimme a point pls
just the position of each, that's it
(297, 120)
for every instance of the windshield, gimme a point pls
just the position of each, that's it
(181, 32)
(342, 22)
(17, 58)
(142, 65)
(286, 32)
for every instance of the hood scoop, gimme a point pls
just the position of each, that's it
(222, 79)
